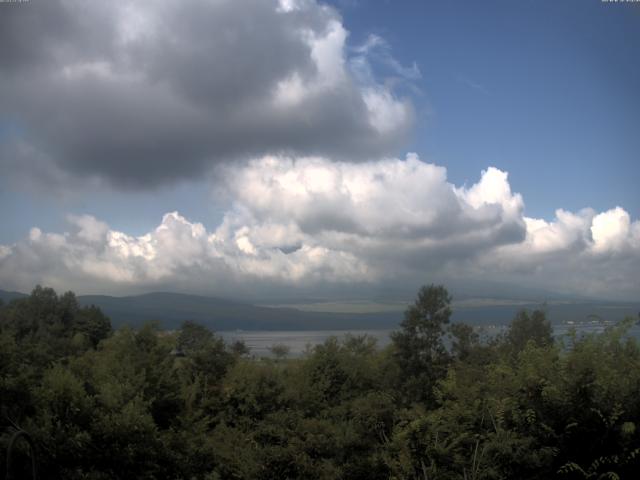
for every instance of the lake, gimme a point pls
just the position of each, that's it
(260, 342)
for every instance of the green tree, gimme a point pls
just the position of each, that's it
(95, 325)
(419, 347)
(464, 340)
(280, 350)
(526, 328)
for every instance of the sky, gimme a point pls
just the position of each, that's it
(270, 149)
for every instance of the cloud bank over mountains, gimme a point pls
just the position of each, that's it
(143, 94)
(311, 222)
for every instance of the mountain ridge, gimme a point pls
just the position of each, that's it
(171, 309)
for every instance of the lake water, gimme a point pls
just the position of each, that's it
(260, 342)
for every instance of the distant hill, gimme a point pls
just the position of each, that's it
(6, 297)
(171, 309)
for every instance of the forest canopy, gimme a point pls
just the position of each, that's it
(440, 402)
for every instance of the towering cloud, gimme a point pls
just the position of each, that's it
(310, 222)
(145, 93)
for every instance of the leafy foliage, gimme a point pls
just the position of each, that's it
(149, 403)
(419, 347)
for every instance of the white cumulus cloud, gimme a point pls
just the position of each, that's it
(305, 222)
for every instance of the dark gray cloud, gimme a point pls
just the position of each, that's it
(144, 93)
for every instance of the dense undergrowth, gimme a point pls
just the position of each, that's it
(142, 404)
